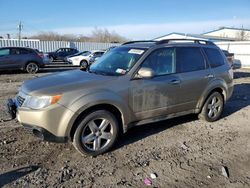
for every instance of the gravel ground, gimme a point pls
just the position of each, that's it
(182, 152)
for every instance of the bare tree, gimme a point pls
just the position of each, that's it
(103, 35)
(48, 36)
(98, 35)
(243, 35)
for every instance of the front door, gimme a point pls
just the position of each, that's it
(5, 58)
(156, 96)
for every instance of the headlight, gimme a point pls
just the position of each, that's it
(36, 102)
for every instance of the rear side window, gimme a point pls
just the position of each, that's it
(19, 51)
(214, 57)
(98, 53)
(189, 59)
(4, 52)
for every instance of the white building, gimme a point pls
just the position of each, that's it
(226, 38)
(228, 32)
(176, 35)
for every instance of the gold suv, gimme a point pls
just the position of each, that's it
(133, 84)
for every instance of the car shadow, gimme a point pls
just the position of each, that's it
(239, 100)
(140, 132)
(14, 175)
(236, 103)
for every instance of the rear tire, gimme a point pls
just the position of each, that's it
(32, 68)
(96, 133)
(212, 108)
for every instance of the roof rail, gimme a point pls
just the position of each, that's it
(198, 41)
(131, 42)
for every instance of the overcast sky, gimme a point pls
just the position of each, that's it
(134, 19)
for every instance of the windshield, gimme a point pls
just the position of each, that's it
(117, 62)
(86, 53)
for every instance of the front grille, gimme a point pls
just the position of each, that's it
(19, 100)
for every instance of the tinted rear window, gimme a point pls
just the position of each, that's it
(17, 51)
(189, 59)
(214, 57)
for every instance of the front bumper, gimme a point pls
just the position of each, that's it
(44, 134)
(11, 108)
(49, 124)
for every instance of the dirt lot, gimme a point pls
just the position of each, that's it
(182, 152)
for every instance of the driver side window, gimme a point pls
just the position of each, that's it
(161, 61)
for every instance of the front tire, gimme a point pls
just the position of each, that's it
(212, 108)
(84, 64)
(51, 59)
(32, 68)
(96, 133)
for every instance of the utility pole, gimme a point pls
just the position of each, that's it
(20, 27)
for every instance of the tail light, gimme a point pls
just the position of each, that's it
(41, 55)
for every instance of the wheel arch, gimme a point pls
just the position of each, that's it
(102, 106)
(31, 61)
(84, 60)
(220, 89)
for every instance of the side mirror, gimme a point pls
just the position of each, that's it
(145, 73)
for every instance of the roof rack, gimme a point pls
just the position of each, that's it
(198, 41)
(131, 42)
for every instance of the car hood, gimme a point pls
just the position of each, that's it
(66, 81)
(79, 56)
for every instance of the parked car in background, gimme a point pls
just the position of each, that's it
(95, 57)
(110, 48)
(230, 57)
(27, 59)
(84, 53)
(83, 60)
(61, 53)
(134, 84)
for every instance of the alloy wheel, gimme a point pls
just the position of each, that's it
(32, 68)
(214, 107)
(97, 134)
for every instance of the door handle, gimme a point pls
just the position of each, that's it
(175, 82)
(209, 76)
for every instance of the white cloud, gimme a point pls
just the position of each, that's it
(149, 31)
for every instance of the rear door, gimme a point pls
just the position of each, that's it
(195, 74)
(61, 53)
(19, 57)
